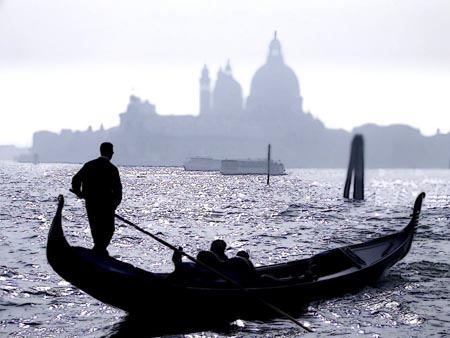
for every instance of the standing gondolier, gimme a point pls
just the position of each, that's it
(98, 182)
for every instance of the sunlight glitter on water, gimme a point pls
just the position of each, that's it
(298, 215)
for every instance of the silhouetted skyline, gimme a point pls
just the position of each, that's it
(358, 62)
(228, 128)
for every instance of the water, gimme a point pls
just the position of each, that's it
(296, 216)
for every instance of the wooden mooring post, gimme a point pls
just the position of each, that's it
(268, 165)
(356, 169)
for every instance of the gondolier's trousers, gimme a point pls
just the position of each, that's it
(101, 221)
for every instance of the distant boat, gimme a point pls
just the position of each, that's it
(202, 164)
(251, 167)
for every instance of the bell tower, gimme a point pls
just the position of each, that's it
(205, 92)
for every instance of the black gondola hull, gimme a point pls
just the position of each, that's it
(137, 291)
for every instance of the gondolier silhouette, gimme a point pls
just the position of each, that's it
(98, 182)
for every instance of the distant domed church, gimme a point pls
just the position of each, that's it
(274, 92)
(230, 126)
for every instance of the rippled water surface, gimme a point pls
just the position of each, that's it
(297, 215)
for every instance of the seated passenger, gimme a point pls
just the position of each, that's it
(244, 255)
(210, 259)
(215, 257)
(219, 246)
(240, 268)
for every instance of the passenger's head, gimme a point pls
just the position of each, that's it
(243, 254)
(106, 149)
(218, 246)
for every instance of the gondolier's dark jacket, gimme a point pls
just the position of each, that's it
(99, 181)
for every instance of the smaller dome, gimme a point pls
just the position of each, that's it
(227, 93)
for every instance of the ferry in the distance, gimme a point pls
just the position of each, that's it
(251, 167)
(202, 164)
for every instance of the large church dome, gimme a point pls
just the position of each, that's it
(275, 89)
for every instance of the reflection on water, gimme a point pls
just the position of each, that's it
(298, 215)
(141, 327)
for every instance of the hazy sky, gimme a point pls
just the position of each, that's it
(74, 63)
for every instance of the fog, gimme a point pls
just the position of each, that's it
(74, 64)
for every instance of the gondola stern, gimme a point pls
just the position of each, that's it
(418, 203)
(411, 227)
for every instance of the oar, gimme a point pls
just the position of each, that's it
(223, 276)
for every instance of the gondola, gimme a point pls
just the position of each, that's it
(288, 286)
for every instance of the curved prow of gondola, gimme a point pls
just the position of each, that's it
(56, 242)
